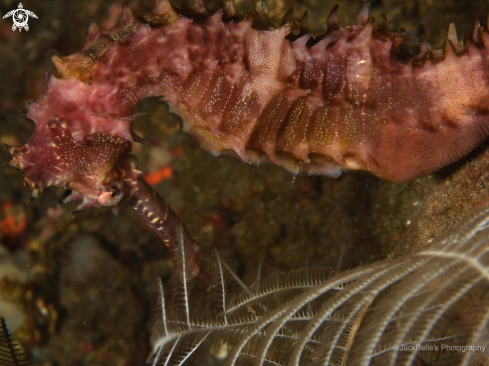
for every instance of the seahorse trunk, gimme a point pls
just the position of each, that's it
(352, 99)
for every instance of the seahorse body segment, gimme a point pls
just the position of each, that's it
(352, 99)
(346, 100)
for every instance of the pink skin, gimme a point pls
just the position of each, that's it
(348, 100)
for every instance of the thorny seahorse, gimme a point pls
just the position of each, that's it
(353, 98)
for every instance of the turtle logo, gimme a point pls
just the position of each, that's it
(20, 17)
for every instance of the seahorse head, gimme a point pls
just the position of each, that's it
(76, 149)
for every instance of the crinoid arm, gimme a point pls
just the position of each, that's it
(430, 307)
(10, 353)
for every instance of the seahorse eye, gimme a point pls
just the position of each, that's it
(112, 196)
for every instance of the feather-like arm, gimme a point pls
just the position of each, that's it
(402, 312)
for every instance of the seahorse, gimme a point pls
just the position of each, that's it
(351, 99)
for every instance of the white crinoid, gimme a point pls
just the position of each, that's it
(432, 306)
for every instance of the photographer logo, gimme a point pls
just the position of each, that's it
(20, 17)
